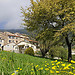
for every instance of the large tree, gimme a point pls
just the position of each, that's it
(58, 15)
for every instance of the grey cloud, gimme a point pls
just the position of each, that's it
(11, 13)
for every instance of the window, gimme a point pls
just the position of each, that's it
(16, 37)
(0, 45)
(9, 40)
(16, 41)
(32, 46)
(9, 36)
(26, 46)
(16, 47)
(12, 37)
(0, 40)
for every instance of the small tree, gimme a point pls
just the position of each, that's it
(58, 51)
(63, 53)
(53, 52)
(29, 51)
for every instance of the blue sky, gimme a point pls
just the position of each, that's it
(10, 13)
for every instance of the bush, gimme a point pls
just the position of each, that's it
(0, 49)
(29, 51)
(58, 51)
(73, 57)
(38, 52)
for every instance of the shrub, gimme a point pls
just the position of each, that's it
(38, 52)
(29, 51)
(58, 51)
(0, 49)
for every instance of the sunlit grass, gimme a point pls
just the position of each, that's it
(20, 64)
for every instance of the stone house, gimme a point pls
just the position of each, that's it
(9, 47)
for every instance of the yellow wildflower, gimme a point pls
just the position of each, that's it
(53, 68)
(74, 70)
(16, 70)
(63, 64)
(13, 74)
(69, 64)
(57, 71)
(41, 68)
(46, 69)
(52, 64)
(73, 67)
(32, 69)
(52, 61)
(45, 65)
(72, 61)
(55, 61)
(36, 66)
(65, 68)
(51, 71)
(20, 68)
(57, 66)
(70, 73)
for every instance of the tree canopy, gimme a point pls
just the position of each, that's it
(53, 17)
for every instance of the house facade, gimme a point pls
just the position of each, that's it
(22, 46)
(16, 42)
(10, 37)
(1, 43)
(9, 47)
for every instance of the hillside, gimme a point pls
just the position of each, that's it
(21, 64)
(22, 31)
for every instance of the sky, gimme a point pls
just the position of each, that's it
(10, 13)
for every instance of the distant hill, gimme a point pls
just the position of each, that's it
(22, 31)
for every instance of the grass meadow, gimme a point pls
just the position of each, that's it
(21, 64)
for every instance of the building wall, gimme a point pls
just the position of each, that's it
(9, 47)
(1, 43)
(13, 38)
(26, 45)
(4, 36)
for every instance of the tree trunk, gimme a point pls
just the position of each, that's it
(43, 52)
(69, 49)
(69, 53)
(62, 58)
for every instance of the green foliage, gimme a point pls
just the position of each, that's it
(38, 52)
(58, 51)
(57, 15)
(29, 51)
(73, 57)
(73, 47)
(0, 49)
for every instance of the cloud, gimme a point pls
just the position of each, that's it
(10, 13)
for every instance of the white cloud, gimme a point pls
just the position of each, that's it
(10, 12)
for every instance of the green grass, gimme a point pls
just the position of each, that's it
(73, 57)
(11, 63)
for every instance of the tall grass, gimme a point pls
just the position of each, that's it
(20, 64)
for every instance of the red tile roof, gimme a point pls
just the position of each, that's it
(33, 41)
